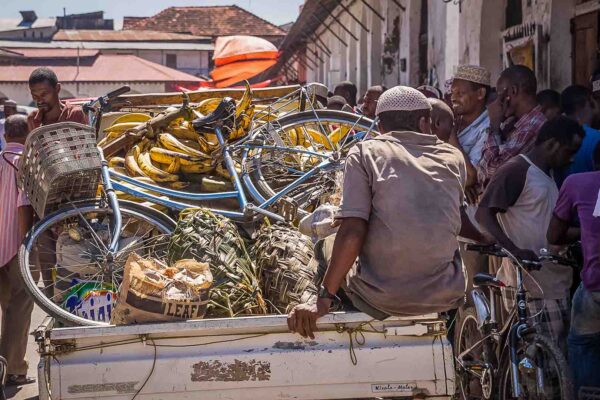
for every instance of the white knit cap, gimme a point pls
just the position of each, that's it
(402, 98)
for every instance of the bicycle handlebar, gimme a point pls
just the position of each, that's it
(104, 101)
(495, 250)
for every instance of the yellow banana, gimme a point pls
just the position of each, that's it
(245, 101)
(164, 156)
(122, 127)
(183, 131)
(174, 167)
(131, 164)
(208, 105)
(338, 134)
(293, 136)
(116, 162)
(196, 168)
(156, 174)
(318, 138)
(224, 173)
(177, 185)
(132, 117)
(170, 142)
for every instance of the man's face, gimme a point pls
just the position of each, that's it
(562, 155)
(45, 95)
(465, 98)
(442, 127)
(506, 95)
(370, 103)
(9, 109)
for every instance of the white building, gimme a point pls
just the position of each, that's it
(412, 42)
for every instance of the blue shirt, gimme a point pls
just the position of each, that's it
(584, 158)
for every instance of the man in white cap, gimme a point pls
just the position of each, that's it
(470, 89)
(396, 250)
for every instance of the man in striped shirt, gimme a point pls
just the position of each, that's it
(16, 217)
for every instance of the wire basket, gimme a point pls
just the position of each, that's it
(61, 163)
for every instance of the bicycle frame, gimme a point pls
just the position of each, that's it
(509, 334)
(239, 191)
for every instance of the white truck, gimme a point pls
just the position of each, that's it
(248, 358)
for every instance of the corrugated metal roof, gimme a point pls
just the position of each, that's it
(93, 35)
(15, 24)
(110, 45)
(207, 21)
(106, 68)
(54, 53)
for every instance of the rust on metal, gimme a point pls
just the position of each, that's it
(298, 345)
(237, 371)
(119, 387)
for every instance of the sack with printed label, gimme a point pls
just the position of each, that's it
(152, 291)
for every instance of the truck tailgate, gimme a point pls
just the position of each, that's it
(249, 358)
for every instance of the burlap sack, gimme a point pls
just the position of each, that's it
(153, 292)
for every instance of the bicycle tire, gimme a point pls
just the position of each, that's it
(467, 318)
(548, 347)
(144, 213)
(260, 188)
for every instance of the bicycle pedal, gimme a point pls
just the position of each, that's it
(288, 209)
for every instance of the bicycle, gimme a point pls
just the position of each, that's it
(509, 360)
(86, 242)
(277, 179)
(85, 233)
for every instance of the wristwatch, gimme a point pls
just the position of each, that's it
(324, 294)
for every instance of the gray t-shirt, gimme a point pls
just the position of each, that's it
(409, 187)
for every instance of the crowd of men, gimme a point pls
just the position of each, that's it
(486, 163)
(496, 164)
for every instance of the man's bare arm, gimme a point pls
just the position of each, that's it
(346, 248)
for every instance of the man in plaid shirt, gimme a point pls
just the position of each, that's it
(516, 103)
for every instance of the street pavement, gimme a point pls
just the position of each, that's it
(29, 392)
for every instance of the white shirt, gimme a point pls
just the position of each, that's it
(597, 209)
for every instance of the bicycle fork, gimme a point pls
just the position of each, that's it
(113, 203)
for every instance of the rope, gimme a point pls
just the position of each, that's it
(358, 335)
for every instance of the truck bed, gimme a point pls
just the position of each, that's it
(251, 358)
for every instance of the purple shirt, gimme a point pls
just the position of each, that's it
(578, 196)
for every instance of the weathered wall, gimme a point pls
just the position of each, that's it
(29, 34)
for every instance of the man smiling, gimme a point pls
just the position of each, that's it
(45, 91)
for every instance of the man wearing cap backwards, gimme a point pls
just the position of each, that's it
(470, 88)
(396, 251)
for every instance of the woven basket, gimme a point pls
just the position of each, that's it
(283, 255)
(61, 163)
(204, 236)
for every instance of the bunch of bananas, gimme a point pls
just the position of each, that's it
(309, 137)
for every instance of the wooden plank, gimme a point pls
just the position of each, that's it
(129, 100)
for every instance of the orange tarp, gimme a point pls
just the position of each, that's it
(230, 49)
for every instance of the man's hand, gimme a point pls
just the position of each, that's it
(303, 318)
(496, 112)
(525, 255)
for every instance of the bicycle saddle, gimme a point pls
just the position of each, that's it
(482, 279)
(225, 112)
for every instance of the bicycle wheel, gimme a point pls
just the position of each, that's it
(543, 371)
(69, 249)
(287, 148)
(474, 378)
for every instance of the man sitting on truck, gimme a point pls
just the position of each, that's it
(396, 251)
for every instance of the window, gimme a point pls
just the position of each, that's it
(514, 13)
(24, 33)
(172, 60)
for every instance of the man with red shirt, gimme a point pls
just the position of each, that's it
(45, 90)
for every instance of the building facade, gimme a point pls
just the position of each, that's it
(413, 42)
